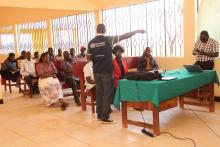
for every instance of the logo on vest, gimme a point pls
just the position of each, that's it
(99, 44)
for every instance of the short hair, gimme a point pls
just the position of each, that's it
(118, 48)
(101, 28)
(204, 32)
(23, 52)
(10, 55)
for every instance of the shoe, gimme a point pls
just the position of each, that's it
(108, 121)
(64, 106)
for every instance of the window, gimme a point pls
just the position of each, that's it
(6, 40)
(73, 31)
(32, 36)
(162, 20)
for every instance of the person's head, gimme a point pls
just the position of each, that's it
(204, 36)
(147, 52)
(101, 29)
(72, 52)
(83, 50)
(36, 54)
(66, 55)
(50, 50)
(117, 51)
(28, 55)
(11, 57)
(60, 52)
(23, 54)
(44, 57)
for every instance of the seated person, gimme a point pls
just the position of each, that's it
(10, 70)
(82, 52)
(20, 58)
(28, 73)
(89, 76)
(36, 56)
(146, 61)
(49, 85)
(120, 66)
(66, 67)
(59, 57)
(72, 55)
(51, 54)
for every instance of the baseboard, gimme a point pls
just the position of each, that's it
(1, 101)
(217, 98)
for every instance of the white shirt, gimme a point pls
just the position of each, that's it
(88, 72)
(28, 68)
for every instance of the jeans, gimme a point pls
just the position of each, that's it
(104, 94)
(33, 87)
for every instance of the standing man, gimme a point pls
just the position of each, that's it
(206, 50)
(100, 51)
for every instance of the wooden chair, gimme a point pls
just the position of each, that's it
(78, 72)
(8, 83)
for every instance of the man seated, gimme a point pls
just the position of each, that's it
(82, 52)
(20, 58)
(146, 61)
(72, 55)
(59, 57)
(51, 54)
(28, 73)
(36, 56)
(66, 67)
(89, 76)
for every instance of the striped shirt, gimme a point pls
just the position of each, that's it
(211, 46)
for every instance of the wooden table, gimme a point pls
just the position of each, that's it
(206, 91)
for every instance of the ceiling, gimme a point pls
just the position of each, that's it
(67, 4)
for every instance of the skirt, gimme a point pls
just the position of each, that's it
(50, 90)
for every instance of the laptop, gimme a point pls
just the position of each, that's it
(193, 68)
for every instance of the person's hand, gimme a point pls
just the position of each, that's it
(141, 31)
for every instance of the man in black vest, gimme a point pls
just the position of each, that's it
(100, 52)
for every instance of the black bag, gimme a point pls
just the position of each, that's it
(143, 76)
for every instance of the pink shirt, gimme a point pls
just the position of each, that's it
(43, 68)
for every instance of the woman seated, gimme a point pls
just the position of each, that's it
(49, 85)
(120, 66)
(10, 70)
(146, 61)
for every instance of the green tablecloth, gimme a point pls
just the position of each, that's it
(157, 91)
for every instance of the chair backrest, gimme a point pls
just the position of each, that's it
(78, 72)
(132, 62)
(3, 81)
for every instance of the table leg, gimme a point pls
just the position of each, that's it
(156, 125)
(181, 99)
(211, 98)
(124, 115)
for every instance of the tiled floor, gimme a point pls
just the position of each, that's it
(26, 122)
